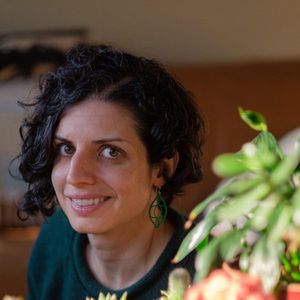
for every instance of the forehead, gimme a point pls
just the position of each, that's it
(95, 115)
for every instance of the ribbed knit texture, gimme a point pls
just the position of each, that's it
(58, 268)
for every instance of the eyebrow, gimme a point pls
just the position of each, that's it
(98, 142)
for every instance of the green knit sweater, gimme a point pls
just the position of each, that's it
(58, 268)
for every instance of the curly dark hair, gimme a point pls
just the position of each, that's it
(165, 113)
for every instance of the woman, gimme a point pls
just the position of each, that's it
(112, 138)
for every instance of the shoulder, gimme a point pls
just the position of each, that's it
(50, 253)
(53, 243)
(55, 228)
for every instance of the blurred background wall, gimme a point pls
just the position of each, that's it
(173, 31)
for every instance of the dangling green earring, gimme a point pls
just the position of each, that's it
(158, 210)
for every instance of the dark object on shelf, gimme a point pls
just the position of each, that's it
(23, 53)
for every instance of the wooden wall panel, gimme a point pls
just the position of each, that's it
(270, 88)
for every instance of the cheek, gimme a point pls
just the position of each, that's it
(135, 181)
(118, 178)
(57, 178)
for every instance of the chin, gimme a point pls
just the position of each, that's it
(81, 226)
(86, 227)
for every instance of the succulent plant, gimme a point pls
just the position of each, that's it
(108, 297)
(291, 269)
(261, 200)
(178, 282)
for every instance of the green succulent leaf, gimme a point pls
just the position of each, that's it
(231, 244)
(232, 188)
(244, 260)
(206, 258)
(296, 177)
(178, 282)
(164, 295)
(241, 205)
(109, 296)
(265, 263)
(202, 244)
(251, 159)
(254, 119)
(102, 296)
(295, 259)
(228, 165)
(286, 167)
(261, 215)
(286, 263)
(261, 154)
(124, 296)
(291, 266)
(295, 276)
(195, 237)
(268, 148)
(279, 222)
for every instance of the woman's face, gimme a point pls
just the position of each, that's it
(101, 175)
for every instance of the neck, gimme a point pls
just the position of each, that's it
(118, 260)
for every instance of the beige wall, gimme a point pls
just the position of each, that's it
(11, 115)
(174, 31)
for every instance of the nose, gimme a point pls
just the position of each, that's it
(81, 170)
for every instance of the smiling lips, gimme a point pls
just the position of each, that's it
(83, 207)
(88, 202)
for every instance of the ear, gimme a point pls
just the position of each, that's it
(166, 169)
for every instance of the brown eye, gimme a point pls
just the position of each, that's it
(66, 149)
(110, 152)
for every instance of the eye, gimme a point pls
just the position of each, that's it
(110, 152)
(65, 149)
